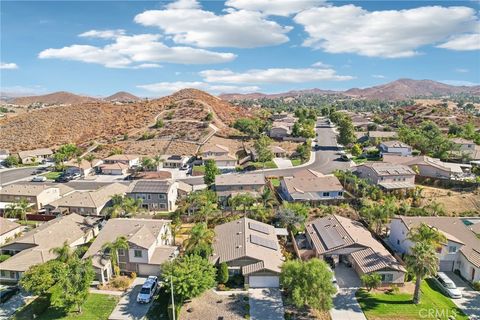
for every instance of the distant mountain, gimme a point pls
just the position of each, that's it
(396, 90)
(122, 96)
(61, 97)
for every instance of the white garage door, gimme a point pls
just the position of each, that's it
(264, 282)
(148, 270)
(446, 265)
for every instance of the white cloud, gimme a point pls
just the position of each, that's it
(273, 75)
(136, 51)
(459, 83)
(188, 24)
(8, 65)
(320, 64)
(170, 87)
(274, 7)
(389, 33)
(103, 34)
(464, 42)
(461, 70)
(378, 76)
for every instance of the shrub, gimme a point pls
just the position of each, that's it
(4, 257)
(159, 124)
(371, 281)
(222, 273)
(120, 283)
(222, 287)
(133, 275)
(476, 285)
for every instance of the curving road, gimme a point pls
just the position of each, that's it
(10, 175)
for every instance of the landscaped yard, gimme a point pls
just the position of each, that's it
(97, 306)
(159, 308)
(400, 306)
(52, 175)
(266, 165)
(296, 162)
(198, 169)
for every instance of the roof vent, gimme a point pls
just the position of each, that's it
(239, 246)
(239, 232)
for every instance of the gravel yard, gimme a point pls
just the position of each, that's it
(212, 306)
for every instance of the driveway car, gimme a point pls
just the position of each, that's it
(447, 286)
(148, 290)
(39, 179)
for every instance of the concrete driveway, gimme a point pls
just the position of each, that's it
(345, 305)
(470, 301)
(283, 163)
(128, 308)
(8, 308)
(266, 304)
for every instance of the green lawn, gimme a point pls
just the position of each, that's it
(159, 308)
(358, 160)
(198, 169)
(260, 165)
(52, 175)
(275, 182)
(400, 306)
(96, 307)
(296, 162)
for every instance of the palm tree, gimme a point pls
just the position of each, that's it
(422, 262)
(112, 249)
(200, 235)
(18, 209)
(131, 206)
(64, 253)
(207, 210)
(246, 200)
(436, 209)
(89, 157)
(157, 160)
(267, 198)
(427, 234)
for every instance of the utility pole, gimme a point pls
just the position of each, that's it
(173, 301)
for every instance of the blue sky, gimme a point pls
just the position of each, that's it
(154, 48)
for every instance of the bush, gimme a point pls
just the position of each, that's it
(4, 257)
(159, 124)
(120, 283)
(476, 285)
(371, 281)
(133, 275)
(222, 273)
(222, 287)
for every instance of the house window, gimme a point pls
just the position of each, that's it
(162, 205)
(137, 253)
(13, 275)
(452, 249)
(326, 194)
(387, 277)
(148, 197)
(82, 210)
(122, 265)
(233, 271)
(161, 196)
(3, 274)
(340, 193)
(121, 252)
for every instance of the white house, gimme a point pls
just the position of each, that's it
(9, 229)
(461, 251)
(395, 147)
(310, 186)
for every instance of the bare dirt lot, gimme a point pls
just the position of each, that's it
(212, 306)
(454, 202)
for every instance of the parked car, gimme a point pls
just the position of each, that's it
(39, 179)
(185, 167)
(148, 290)
(76, 176)
(8, 292)
(447, 286)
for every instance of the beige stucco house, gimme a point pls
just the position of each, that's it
(386, 175)
(37, 194)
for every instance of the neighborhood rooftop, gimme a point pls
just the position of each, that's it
(388, 169)
(240, 179)
(150, 186)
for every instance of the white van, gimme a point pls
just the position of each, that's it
(447, 285)
(148, 290)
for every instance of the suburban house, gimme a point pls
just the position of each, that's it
(386, 175)
(461, 251)
(126, 159)
(467, 147)
(343, 240)
(156, 195)
(149, 245)
(221, 155)
(280, 130)
(174, 161)
(277, 151)
(36, 155)
(395, 147)
(250, 248)
(230, 185)
(9, 229)
(117, 168)
(85, 168)
(37, 194)
(88, 203)
(310, 186)
(34, 247)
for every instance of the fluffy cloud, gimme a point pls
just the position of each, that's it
(188, 24)
(136, 51)
(389, 33)
(463, 42)
(273, 75)
(274, 7)
(320, 64)
(170, 87)
(103, 34)
(9, 65)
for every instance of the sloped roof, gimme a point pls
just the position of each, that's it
(308, 182)
(7, 225)
(395, 144)
(240, 179)
(25, 189)
(388, 169)
(35, 153)
(150, 186)
(90, 199)
(114, 166)
(233, 240)
(84, 164)
(218, 148)
(122, 157)
(382, 134)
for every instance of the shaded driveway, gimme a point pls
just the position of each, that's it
(470, 301)
(345, 305)
(128, 308)
(266, 304)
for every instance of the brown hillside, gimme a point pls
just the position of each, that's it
(122, 96)
(61, 97)
(102, 122)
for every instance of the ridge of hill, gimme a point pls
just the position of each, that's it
(60, 97)
(122, 96)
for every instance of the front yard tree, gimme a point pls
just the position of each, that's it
(191, 276)
(422, 262)
(89, 157)
(39, 278)
(211, 171)
(222, 275)
(356, 150)
(200, 240)
(308, 283)
(112, 248)
(372, 280)
(427, 234)
(262, 148)
(65, 253)
(11, 161)
(346, 132)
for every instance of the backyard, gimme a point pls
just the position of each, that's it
(399, 305)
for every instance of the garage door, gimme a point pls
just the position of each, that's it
(263, 281)
(446, 265)
(148, 270)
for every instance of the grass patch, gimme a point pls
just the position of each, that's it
(52, 175)
(97, 306)
(296, 162)
(275, 182)
(266, 165)
(359, 160)
(199, 169)
(400, 306)
(159, 308)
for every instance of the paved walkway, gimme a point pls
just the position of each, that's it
(283, 163)
(470, 301)
(345, 305)
(128, 308)
(266, 304)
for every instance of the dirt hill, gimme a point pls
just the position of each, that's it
(103, 121)
(61, 97)
(122, 96)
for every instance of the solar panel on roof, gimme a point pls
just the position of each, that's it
(258, 227)
(267, 243)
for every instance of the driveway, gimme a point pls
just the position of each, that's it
(128, 308)
(266, 304)
(470, 301)
(283, 163)
(345, 305)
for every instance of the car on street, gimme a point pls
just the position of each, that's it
(148, 290)
(447, 286)
(39, 179)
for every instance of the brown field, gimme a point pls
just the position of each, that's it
(454, 202)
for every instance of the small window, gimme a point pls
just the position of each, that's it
(121, 252)
(387, 277)
(398, 241)
(340, 193)
(162, 205)
(13, 275)
(3, 274)
(137, 253)
(452, 249)
(326, 194)
(148, 197)
(122, 265)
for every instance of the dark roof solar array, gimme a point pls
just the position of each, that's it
(151, 186)
(267, 243)
(330, 236)
(258, 227)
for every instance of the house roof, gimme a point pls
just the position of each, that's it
(114, 166)
(306, 183)
(90, 199)
(224, 157)
(84, 164)
(382, 134)
(235, 179)
(248, 238)
(35, 153)
(335, 232)
(122, 157)
(218, 148)
(455, 227)
(139, 232)
(7, 225)
(277, 149)
(25, 189)
(395, 144)
(49, 235)
(163, 254)
(388, 169)
(423, 160)
(150, 186)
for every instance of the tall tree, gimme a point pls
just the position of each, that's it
(427, 234)
(89, 157)
(262, 148)
(18, 209)
(112, 248)
(267, 198)
(346, 132)
(65, 253)
(200, 240)
(422, 262)
(211, 171)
